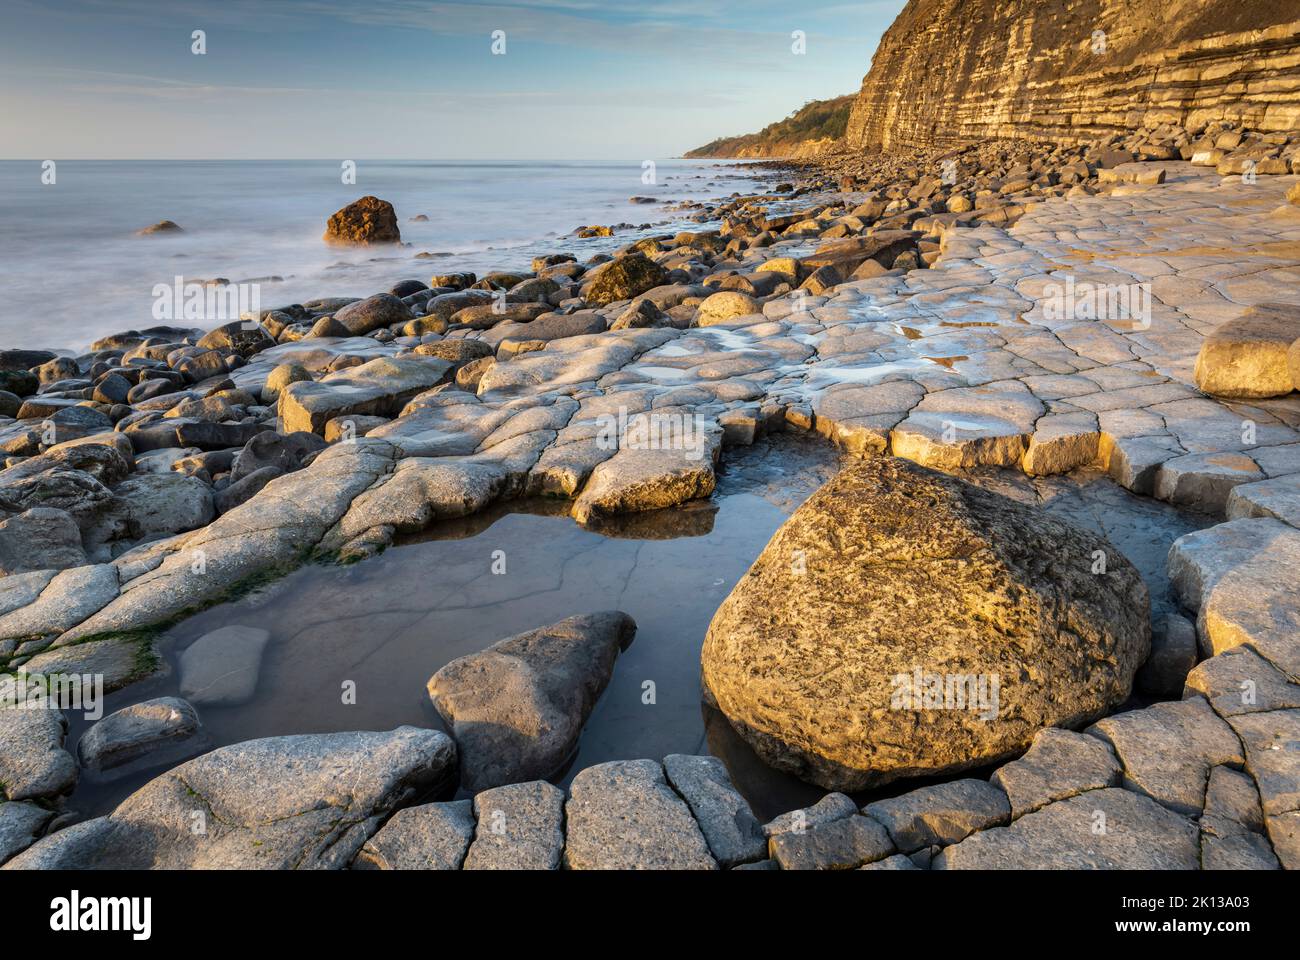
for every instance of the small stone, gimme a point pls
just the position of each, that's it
(20, 823)
(41, 538)
(433, 836)
(832, 807)
(520, 827)
(516, 709)
(896, 862)
(839, 845)
(733, 834)
(221, 668)
(1246, 358)
(33, 763)
(624, 816)
(157, 731)
(1173, 655)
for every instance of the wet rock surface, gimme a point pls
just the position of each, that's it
(517, 708)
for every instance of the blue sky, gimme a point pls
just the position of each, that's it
(116, 79)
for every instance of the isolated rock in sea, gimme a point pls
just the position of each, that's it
(904, 623)
(162, 226)
(1246, 358)
(221, 668)
(517, 708)
(365, 221)
(299, 802)
(144, 734)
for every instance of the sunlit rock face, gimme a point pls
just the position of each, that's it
(954, 70)
(906, 623)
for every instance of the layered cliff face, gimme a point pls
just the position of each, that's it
(949, 71)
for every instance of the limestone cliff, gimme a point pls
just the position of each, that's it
(949, 71)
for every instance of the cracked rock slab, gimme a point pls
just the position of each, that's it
(733, 834)
(1108, 829)
(1168, 749)
(433, 836)
(624, 816)
(1059, 764)
(298, 802)
(520, 827)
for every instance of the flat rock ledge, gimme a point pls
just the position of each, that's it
(345, 800)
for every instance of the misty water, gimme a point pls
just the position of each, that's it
(72, 268)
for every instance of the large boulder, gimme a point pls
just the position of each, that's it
(381, 310)
(517, 708)
(623, 278)
(365, 221)
(41, 538)
(299, 802)
(243, 337)
(1246, 358)
(906, 623)
(154, 504)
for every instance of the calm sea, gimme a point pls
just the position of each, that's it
(72, 269)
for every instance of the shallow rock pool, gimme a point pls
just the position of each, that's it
(383, 626)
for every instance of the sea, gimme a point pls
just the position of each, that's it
(73, 267)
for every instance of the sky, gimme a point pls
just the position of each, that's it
(402, 79)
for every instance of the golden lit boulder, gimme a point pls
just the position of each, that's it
(1246, 358)
(906, 623)
(365, 221)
